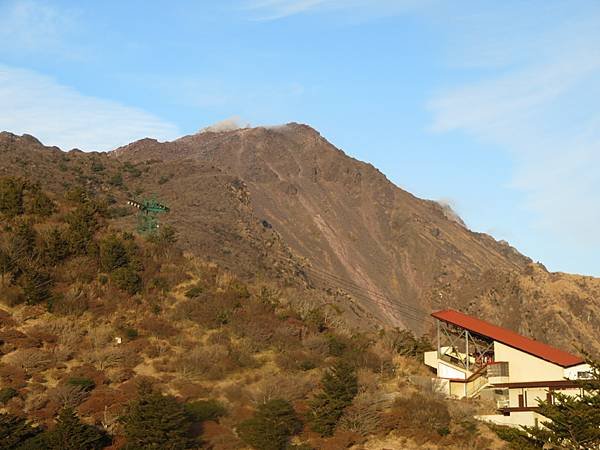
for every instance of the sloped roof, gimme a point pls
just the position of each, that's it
(509, 337)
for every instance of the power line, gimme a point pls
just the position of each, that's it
(368, 295)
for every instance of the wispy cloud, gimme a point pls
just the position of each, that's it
(35, 26)
(544, 110)
(59, 115)
(278, 9)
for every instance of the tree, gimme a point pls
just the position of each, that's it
(24, 240)
(82, 226)
(340, 386)
(113, 253)
(55, 247)
(36, 284)
(127, 279)
(11, 196)
(6, 264)
(156, 422)
(72, 434)
(37, 202)
(574, 420)
(14, 431)
(271, 427)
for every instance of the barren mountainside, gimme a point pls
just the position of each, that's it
(287, 201)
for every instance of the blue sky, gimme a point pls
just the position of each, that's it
(489, 106)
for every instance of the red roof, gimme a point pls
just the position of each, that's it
(509, 338)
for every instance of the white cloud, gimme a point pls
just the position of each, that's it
(59, 115)
(278, 9)
(543, 109)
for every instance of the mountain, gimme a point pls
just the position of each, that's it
(286, 202)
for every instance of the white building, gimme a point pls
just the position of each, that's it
(476, 358)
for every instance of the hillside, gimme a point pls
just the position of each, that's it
(286, 202)
(399, 256)
(112, 339)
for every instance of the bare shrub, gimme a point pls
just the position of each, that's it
(68, 396)
(211, 361)
(158, 327)
(220, 338)
(31, 360)
(281, 386)
(157, 348)
(105, 358)
(74, 302)
(364, 415)
(420, 414)
(100, 336)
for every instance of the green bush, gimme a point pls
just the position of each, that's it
(203, 410)
(86, 384)
(194, 291)
(272, 426)
(131, 333)
(127, 279)
(15, 431)
(7, 393)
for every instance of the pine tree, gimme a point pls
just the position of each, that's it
(37, 202)
(113, 253)
(15, 431)
(36, 284)
(72, 434)
(24, 241)
(55, 247)
(271, 427)
(340, 386)
(11, 196)
(157, 422)
(82, 226)
(6, 265)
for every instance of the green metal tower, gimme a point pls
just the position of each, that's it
(148, 215)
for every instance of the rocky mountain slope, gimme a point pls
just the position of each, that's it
(287, 201)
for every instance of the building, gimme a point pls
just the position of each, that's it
(475, 358)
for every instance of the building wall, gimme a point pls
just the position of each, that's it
(572, 372)
(525, 367)
(446, 371)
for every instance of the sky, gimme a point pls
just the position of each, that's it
(491, 107)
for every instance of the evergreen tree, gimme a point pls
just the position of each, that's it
(127, 279)
(271, 427)
(37, 202)
(72, 434)
(340, 386)
(55, 247)
(157, 422)
(6, 265)
(24, 241)
(113, 253)
(15, 431)
(36, 284)
(11, 196)
(82, 226)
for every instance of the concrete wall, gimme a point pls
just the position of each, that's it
(525, 367)
(516, 419)
(446, 371)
